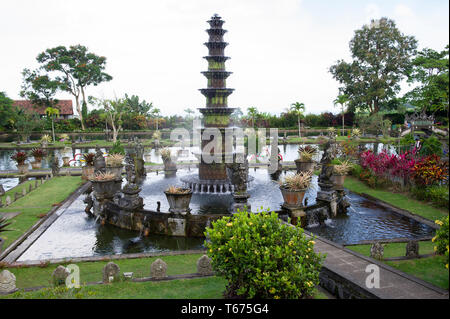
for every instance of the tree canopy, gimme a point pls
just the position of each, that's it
(431, 72)
(75, 69)
(381, 58)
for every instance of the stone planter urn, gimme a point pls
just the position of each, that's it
(170, 168)
(338, 180)
(116, 170)
(179, 203)
(36, 165)
(304, 166)
(44, 144)
(87, 172)
(105, 189)
(66, 160)
(292, 197)
(23, 168)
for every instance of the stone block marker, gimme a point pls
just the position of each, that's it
(158, 269)
(1, 202)
(7, 282)
(24, 191)
(412, 248)
(377, 251)
(8, 200)
(111, 272)
(59, 275)
(30, 188)
(204, 266)
(36, 183)
(16, 196)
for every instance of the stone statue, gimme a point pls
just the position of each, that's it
(327, 168)
(55, 165)
(99, 161)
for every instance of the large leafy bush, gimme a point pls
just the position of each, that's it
(263, 258)
(441, 238)
(431, 146)
(430, 170)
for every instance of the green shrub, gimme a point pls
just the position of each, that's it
(356, 170)
(263, 258)
(408, 139)
(431, 146)
(117, 148)
(438, 195)
(441, 238)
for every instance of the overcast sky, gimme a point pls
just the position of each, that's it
(280, 49)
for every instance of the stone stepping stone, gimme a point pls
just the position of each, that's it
(111, 272)
(10, 215)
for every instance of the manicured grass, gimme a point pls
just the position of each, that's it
(395, 249)
(199, 288)
(431, 269)
(396, 199)
(92, 271)
(39, 201)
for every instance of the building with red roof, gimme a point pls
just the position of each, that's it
(65, 108)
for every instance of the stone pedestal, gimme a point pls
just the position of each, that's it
(240, 203)
(296, 213)
(331, 198)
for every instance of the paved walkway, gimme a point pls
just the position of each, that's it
(394, 284)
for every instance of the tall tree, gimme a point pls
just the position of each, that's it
(431, 72)
(381, 59)
(7, 114)
(137, 106)
(114, 110)
(298, 109)
(76, 69)
(156, 113)
(40, 90)
(252, 113)
(342, 99)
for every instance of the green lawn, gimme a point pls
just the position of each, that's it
(395, 249)
(430, 269)
(92, 271)
(39, 201)
(396, 199)
(210, 287)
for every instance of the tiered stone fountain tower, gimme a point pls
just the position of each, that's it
(216, 114)
(212, 177)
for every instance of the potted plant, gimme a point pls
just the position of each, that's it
(340, 170)
(114, 165)
(3, 225)
(169, 165)
(66, 161)
(88, 168)
(156, 136)
(104, 185)
(356, 133)
(38, 154)
(20, 158)
(178, 198)
(293, 188)
(45, 139)
(305, 163)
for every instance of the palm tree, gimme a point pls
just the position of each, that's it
(156, 113)
(342, 99)
(51, 111)
(298, 108)
(252, 112)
